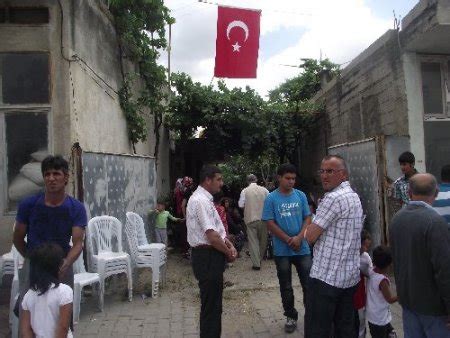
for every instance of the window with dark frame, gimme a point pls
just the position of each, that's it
(432, 88)
(26, 144)
(24, 15)
(435, 72)
(24, 78)
(28, 15)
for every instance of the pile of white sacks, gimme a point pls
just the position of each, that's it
(29, 181)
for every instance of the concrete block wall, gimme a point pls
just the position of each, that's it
(366, 100)
(369, 98)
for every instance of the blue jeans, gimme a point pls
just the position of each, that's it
(302, 265)
(421, 326)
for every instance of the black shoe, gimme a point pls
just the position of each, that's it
(290, 326)
(257, 268)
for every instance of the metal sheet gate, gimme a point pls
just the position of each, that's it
(364, 170)
(115, 184)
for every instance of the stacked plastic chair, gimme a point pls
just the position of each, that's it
(106, 257)
(15, 292)
(6, 265)
(82, 279)
(143, 254)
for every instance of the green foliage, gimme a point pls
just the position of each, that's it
(231, 118)
(135, 120)
(296, 91)
(253, 132)
(140, 28)
(291, 103)
(236, 168)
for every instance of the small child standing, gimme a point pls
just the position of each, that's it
(162, 215)
(359, 298)
(47, 305)
(379, 295)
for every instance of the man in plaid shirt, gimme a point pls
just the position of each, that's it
(336, 231)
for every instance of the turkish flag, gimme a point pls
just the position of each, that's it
(237, 42)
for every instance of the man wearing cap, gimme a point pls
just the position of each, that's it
(252, 201)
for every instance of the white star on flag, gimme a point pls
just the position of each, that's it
(236, 47)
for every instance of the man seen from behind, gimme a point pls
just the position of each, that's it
(420, 242)
(252, 200)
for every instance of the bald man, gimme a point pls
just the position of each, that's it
(420, 242)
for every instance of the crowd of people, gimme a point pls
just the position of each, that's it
(171, 229)
(344, 287)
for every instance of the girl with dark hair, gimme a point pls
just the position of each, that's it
(47, 306)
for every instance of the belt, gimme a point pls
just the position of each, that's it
(203, 246)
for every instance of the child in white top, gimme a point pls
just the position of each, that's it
(359, 298)
(379, 295)
(47, 305)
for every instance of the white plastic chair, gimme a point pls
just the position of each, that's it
(82, 279)
(6, 265)
(106, 257)
(152, 256)
(140, 227)
(15, 292)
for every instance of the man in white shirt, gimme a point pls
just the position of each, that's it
(252, 201)
(210, 249)
(336, 232)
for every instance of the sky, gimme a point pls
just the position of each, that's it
(290, 30)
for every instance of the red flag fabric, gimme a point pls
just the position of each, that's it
(237, 42)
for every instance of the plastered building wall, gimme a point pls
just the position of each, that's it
(85, 76)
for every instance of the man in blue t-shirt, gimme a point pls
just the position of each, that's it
(51, 216)
(287, 214)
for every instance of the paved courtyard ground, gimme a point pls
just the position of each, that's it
(252, 306)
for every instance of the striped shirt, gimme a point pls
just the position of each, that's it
(442, 202)
(336, 252)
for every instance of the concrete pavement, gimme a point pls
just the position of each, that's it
(252, 306)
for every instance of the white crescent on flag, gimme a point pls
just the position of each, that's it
(239, 24)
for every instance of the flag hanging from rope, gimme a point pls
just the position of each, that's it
(237, 42)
